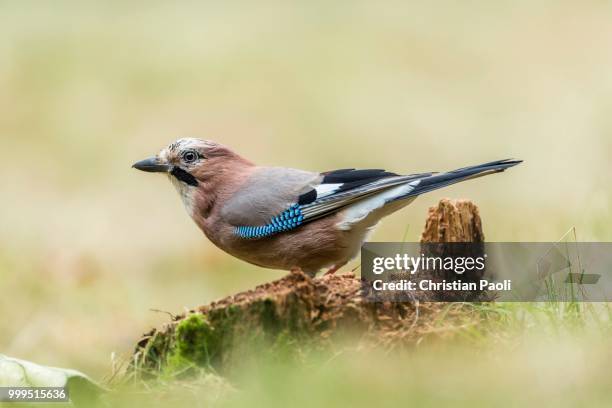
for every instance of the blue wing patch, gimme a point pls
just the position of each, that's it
(285, 221)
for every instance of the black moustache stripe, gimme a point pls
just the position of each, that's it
(184, 176)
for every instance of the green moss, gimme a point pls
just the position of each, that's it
(155, 352)
(266, 309)
(195, 343)
(224, 319)
(223, 337)
(295, 315)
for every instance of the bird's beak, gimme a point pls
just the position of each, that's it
(152, 165)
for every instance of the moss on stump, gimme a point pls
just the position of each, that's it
(298, 311)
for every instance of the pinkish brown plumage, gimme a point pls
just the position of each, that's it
(285, 218)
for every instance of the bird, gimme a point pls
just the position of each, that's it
(286, 218)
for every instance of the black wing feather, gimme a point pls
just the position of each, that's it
(352, 175)
(348, 178)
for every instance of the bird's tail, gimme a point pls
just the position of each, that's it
(440, 180)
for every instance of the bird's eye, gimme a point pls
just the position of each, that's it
(190, 156)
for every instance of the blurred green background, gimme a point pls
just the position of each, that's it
(89, 246)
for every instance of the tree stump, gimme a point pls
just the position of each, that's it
(454, 229)
(453, 221)
(298, 310)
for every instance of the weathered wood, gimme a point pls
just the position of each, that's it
(453, 221)
(454, 229)
(298, 310)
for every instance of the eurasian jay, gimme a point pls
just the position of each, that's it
(284, 218)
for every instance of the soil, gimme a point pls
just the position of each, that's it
(300, 310)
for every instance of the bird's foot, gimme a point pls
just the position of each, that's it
(334, 268)
(296, 270)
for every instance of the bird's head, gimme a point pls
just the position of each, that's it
(190, 163)
(181, 160)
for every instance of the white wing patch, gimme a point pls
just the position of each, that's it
(359, 211)
(327, 189)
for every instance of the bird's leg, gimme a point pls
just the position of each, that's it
(334, 268)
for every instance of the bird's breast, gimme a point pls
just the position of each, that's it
(311, 247)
